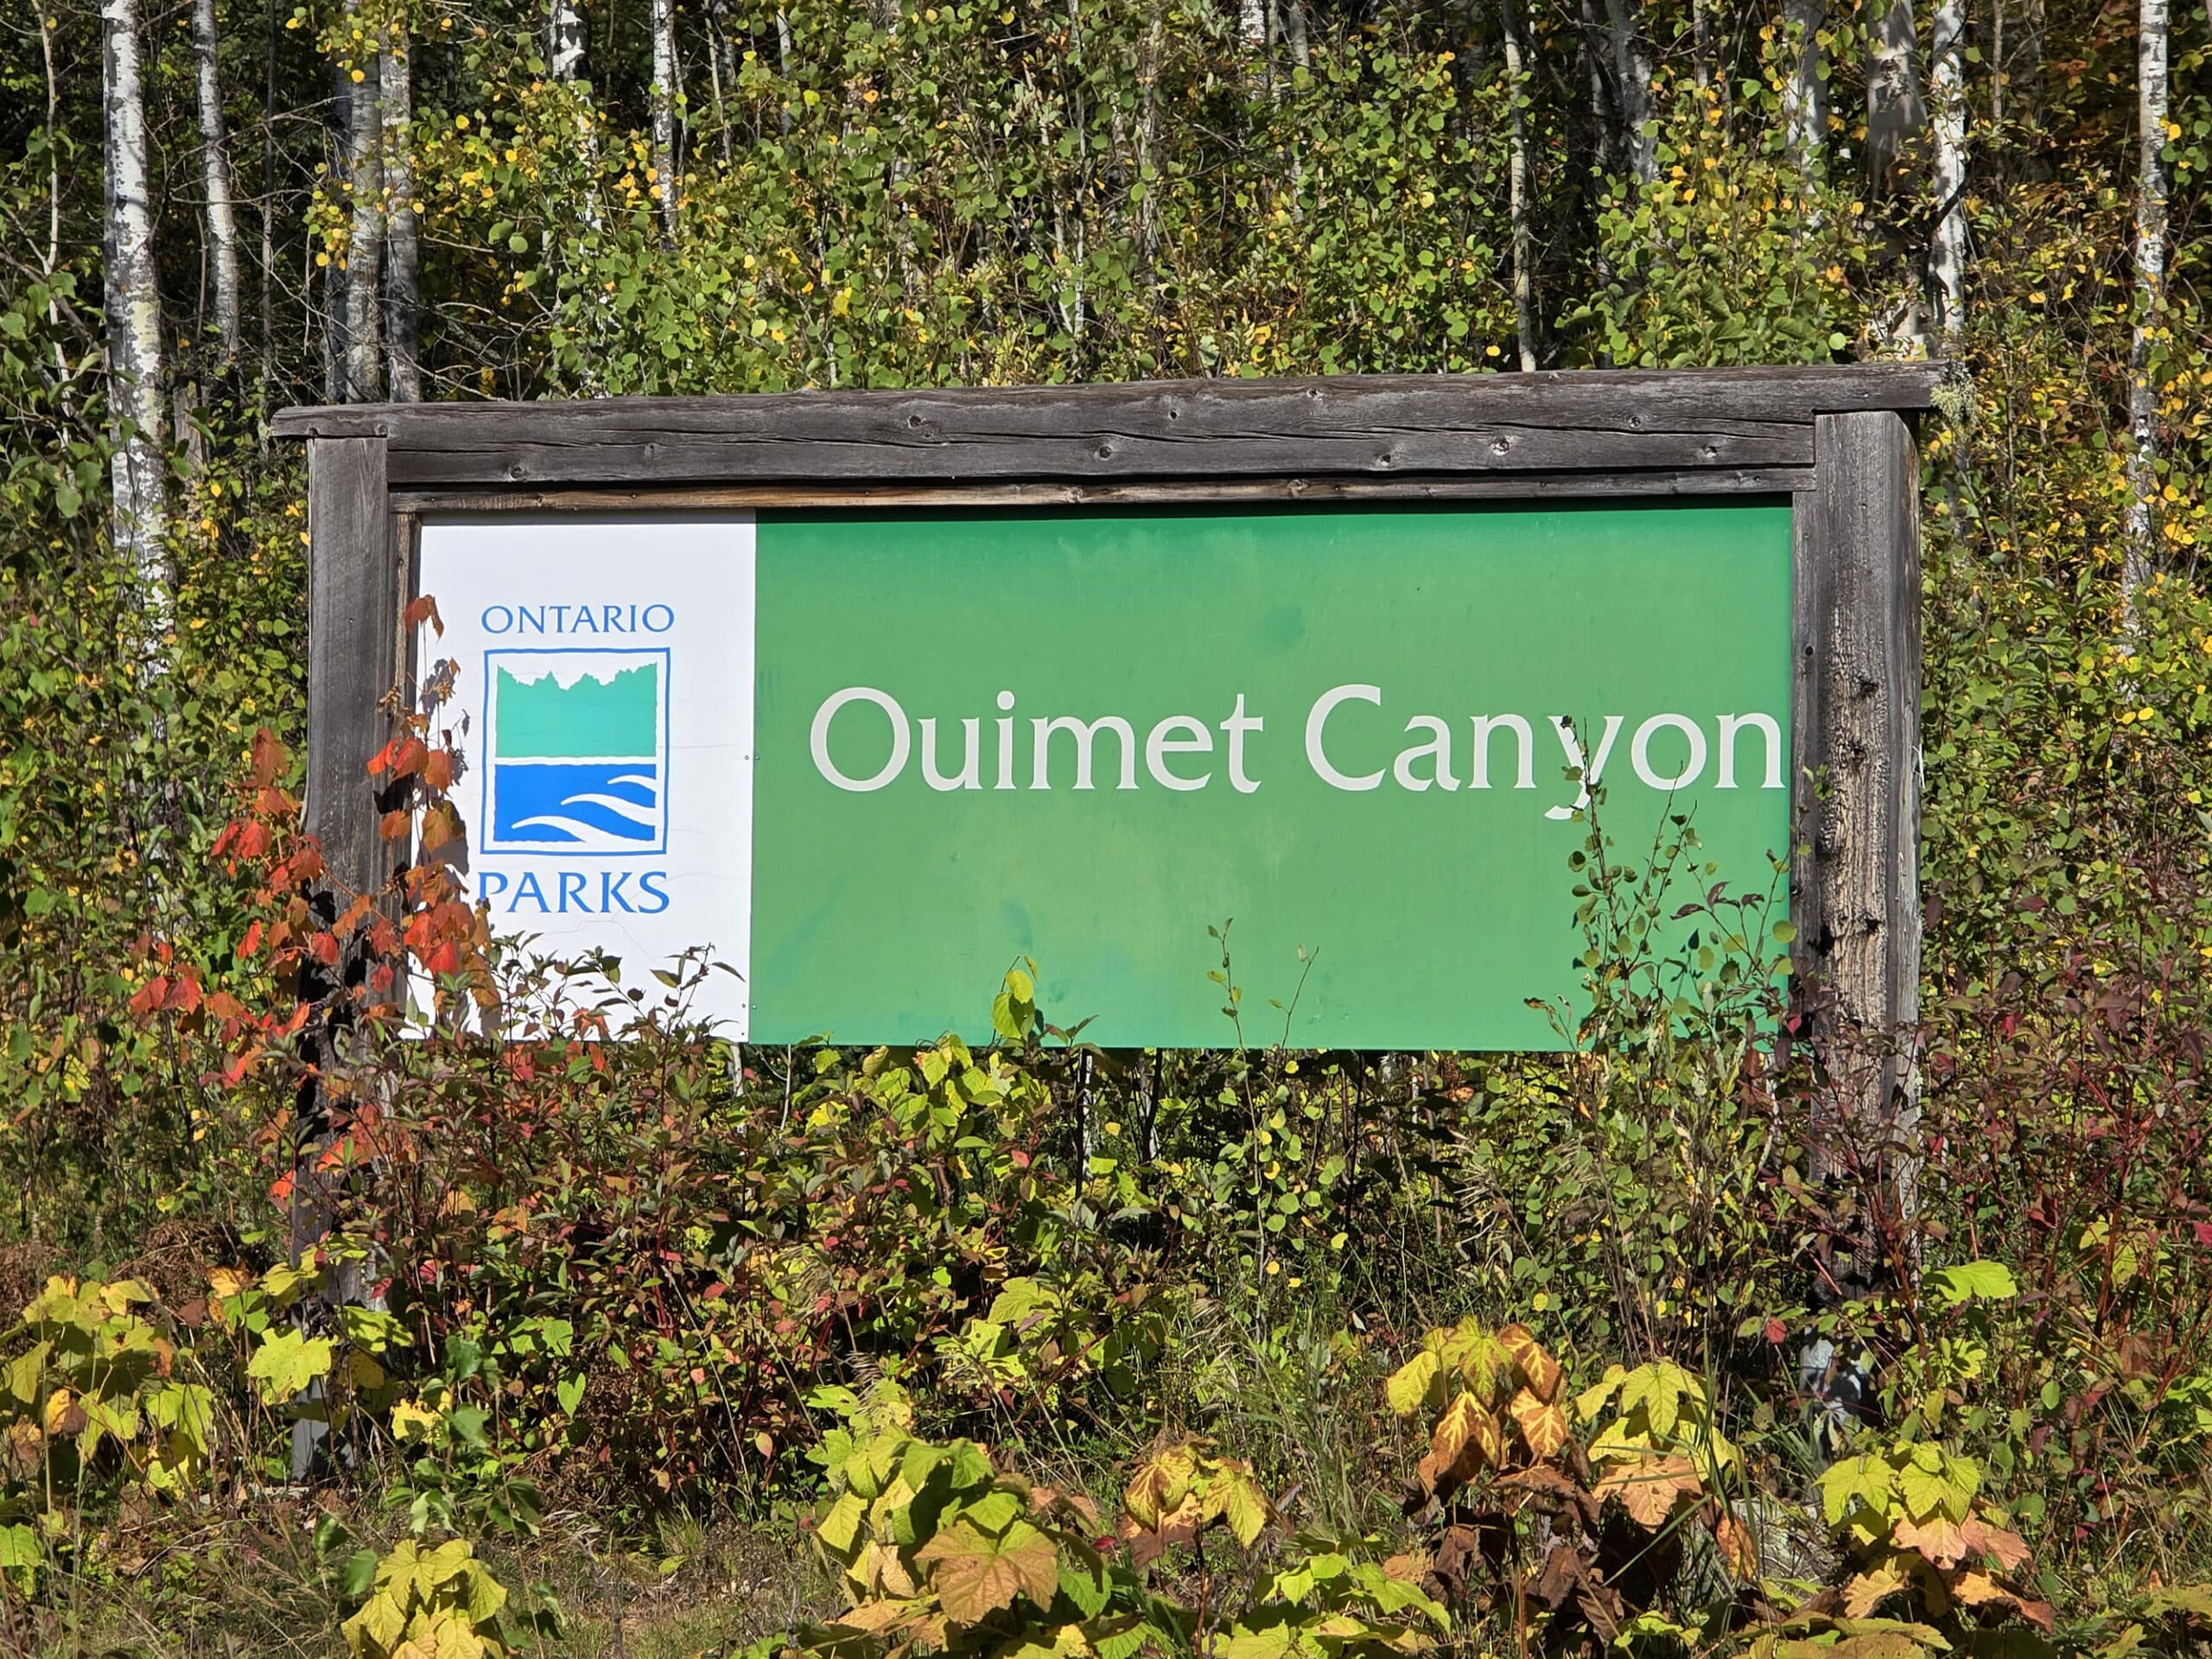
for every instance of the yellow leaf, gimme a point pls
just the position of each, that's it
(1543, 1424)
(1868, 1590)
(1455, 1450)
(1538, 1369)
(1410, 1384)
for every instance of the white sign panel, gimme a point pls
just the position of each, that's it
(603, 706)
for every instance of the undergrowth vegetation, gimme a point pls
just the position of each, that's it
(1013, 1347)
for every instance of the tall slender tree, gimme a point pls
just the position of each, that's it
(1895, 109)
(1524, 307)
(564, 39)
(402, 307)
(216, 171)
(2153, 44)
(1805, 94)
(365, 243)
(1947, 263)
(134, 308)
(1628, 75)
(666, 92)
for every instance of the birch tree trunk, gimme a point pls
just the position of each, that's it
(1946, 265)
(365, 245)
(402, 304)
(134, 310)
(1805, 95)
(1894, 108)
(564, 39)
(215, 167)
(2153, 42)
(1629, 72)
(665, 92)
(1524, 310)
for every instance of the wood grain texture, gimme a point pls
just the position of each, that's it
(1505, 486)
(1356, 426)
(353, 645)
(1863, 636)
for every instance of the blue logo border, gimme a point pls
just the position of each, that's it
(667, 711)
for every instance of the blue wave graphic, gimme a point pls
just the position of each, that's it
(573, 803)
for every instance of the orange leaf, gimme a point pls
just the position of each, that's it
(1648, 1488)
(1543, 1424)
(1541, 1370)
(1737, 1549)
(1938, 1538)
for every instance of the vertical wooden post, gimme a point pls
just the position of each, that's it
(354, 652)
(1857, 717)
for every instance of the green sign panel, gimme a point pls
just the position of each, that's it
(876, 758)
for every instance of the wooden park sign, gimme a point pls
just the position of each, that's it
(875, 693)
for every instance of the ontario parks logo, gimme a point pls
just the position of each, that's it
(579, 748)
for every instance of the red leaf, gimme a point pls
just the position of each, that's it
(268, 757)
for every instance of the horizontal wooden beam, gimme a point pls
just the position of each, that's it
(1375, 427)
(1194, 492)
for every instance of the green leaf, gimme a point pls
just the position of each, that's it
(569, 1391)
(1867, 1480)
(841, 1524)
(25, 1371)
(1973, 1282)
(285, 1364)
(1246, 1509)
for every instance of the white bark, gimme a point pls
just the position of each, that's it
(403, 309)
(665, 92)
(134, 309)
(1947, 263)
(364, 244)
(1630, 73)
(785, 46)
(2152, 47)
(215, 168)
(564, 39)
(1894, 108)
(1524, 319)
(1805, 94)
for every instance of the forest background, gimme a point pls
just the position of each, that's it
(657, 1348)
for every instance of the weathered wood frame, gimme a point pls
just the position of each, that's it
(1836, 440)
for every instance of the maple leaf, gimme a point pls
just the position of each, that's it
(289, 1363)
(1868, 1590)
(1738, 1547)
(1647, 1489)
(1462, 1433)
(1938, 1538)
(975, 1576)
(1410, 1384)
(1979, 1590)
(1539, 1368)
(1543, 1423)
